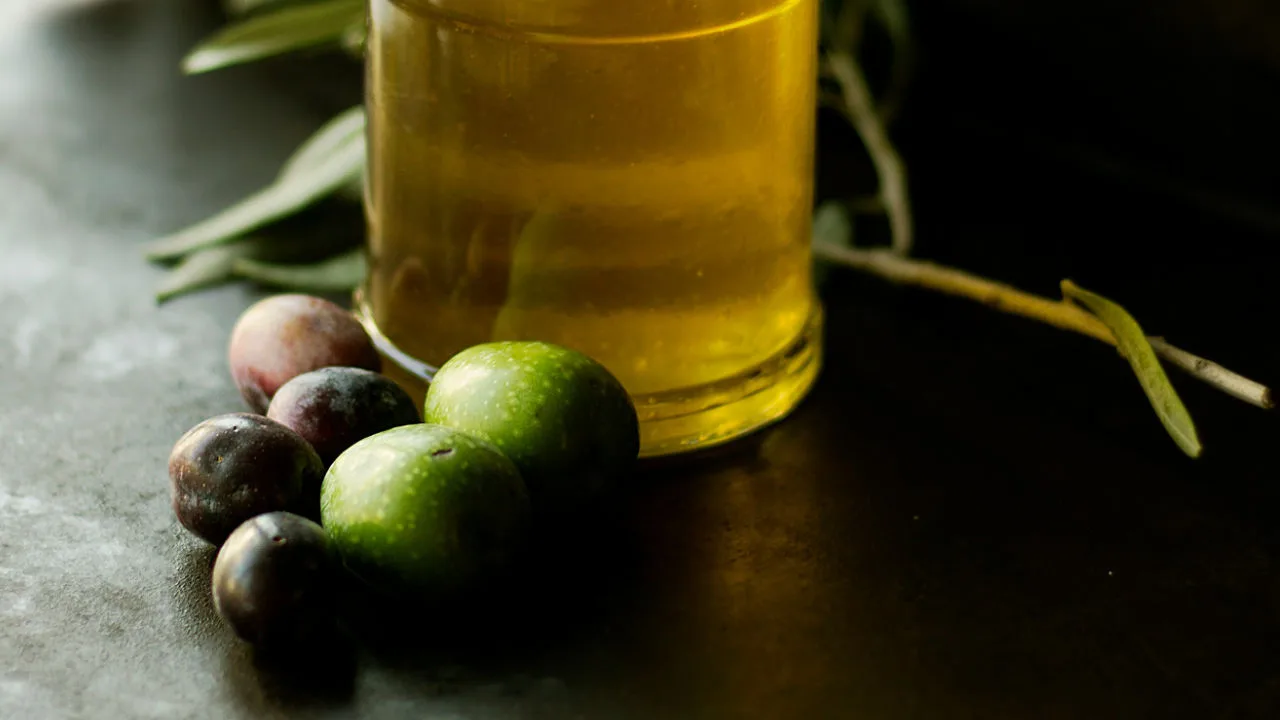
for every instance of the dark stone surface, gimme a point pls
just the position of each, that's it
(974, 517)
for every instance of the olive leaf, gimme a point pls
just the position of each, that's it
(202, 269)
(272, 33)
(347, 126)
(244, 7)
(352, 191)
(339, 273)
(319, 233)
(1134, 346)
(288, 194)
(354, 39)
(831, 226)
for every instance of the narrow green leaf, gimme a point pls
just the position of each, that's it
(831, 226)
(244, 7)
(354, 39)
(200, 270)
(284, 197)
(273, 33)
(1133, 344)
(323, 231)
(346, 127)
(352, 191)
(339, 273)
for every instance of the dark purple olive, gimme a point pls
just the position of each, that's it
(232, 467)
(273, 579)
(284, 336)
(334, 408)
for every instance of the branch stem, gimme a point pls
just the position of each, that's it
(1057, 313)
(1211, 372)
(859, 108)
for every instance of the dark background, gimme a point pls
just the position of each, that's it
(973, 516)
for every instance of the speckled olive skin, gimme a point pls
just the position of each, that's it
(273, 580)
(334, 408)
(283, 336)
(233, 467)
(562, 418)
(424, 508)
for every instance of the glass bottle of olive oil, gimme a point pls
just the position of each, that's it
(629, 178)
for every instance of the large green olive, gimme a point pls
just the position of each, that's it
(424, 508)
(562, 418)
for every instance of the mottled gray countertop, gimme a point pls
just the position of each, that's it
(973, 517)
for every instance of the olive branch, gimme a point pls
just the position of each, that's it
(268, 238)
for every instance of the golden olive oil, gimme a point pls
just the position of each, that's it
(630, 179)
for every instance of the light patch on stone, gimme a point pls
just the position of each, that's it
(24, 270)
(19, 505)
(126, 351)
(24, 337)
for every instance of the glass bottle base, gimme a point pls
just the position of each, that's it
(681, 420)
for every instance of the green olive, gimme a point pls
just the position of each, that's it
(562, 418)
(424, 508)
